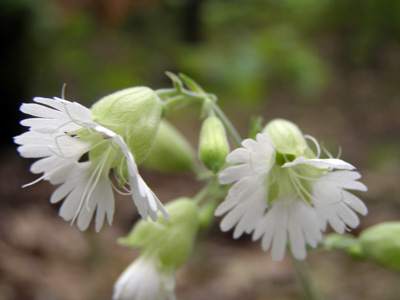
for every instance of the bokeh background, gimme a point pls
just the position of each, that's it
(331, 66)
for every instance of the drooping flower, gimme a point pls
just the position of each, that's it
(79, 154)
(165, 246)
(145, 279)
(284, 192)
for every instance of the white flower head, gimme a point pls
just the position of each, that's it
(289, 196)
(145, 279)
(61, 134)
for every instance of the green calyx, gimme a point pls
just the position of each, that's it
(172, 144)
(213, 144)
(286, 137)
(381, 243)
(170, 240)
(133, 113)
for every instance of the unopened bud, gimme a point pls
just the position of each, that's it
(286, 137)
(381, 243)
(133, 113)
(171, 240)
(213, 145)
(171, 151)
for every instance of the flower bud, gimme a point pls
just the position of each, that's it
(213, 145)
(133, 113)
(172, 144)
(381, 243)
(286, 137)
(171, 239)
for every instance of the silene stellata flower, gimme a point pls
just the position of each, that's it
(145, 279)
(79, 147)
(284, 192)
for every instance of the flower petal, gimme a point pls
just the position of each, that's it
(239, 155)
(234, 173)
(240, 191)
(346, 180)
(355, 203)
(329, 163)
(41, 111)
(104, 197)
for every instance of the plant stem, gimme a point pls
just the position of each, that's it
(229, 127)
(177, 96)
(311, 291)
(205, 191)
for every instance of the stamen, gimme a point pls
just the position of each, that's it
(63, 90)
(314, 198)
(85, 195)
(42, 177)
(296, 185)
(314, 140)
(340, 153)
(307, 193)
(302, 176)
(327, 152)
(127, 193)
(117, 179)
(33, 182)
(120, 171)
(100, 171)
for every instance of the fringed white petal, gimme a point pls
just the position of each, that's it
(288, 219)
(232, 174)
(328, 163)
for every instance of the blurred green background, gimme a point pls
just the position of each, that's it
(332, 66)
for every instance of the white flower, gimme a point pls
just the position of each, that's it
(61, 134)
(144, 279)
(283, 199)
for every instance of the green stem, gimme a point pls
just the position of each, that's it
(179, 96)
(205, 191)
(311, 291)
(228, 125)
(173, 98)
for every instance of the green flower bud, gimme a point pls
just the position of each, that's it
(381, 243)
(213, 146)
(170, 144)
(133, 113)
(171, 240)
(286, 137)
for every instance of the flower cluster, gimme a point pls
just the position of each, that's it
(283, 191)
(79, 154)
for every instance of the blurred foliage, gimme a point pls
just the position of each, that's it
(385, 155)
(242, 49)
